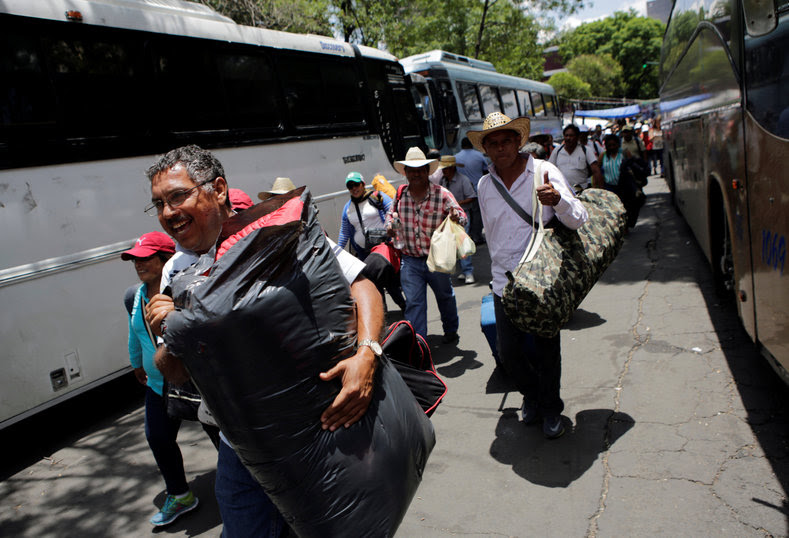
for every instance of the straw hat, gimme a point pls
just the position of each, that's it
(415, 158)
(448, 161)
(496, 121)
(281, 186)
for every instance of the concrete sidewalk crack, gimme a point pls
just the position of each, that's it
(640, 341)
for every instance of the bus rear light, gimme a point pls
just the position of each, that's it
(735, 184)
(742, 296)
(74, 16)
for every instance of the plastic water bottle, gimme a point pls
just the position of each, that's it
(397, 226)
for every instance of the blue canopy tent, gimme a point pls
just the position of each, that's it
(610, 113)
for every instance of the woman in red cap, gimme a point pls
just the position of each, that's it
(149, 254)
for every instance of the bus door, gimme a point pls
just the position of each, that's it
(426, 111)
(766, 123)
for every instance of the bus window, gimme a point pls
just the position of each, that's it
(27, 105)
(509, 102)
(490, 100)
(330, 99)
(450, 112)
(93, 75)
(550, 110)
(468, 96)
(249, 86)
(177, 62)
(537, 106)
(767, 78)
(525, 103)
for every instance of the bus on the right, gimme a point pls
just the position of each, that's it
(724, 102)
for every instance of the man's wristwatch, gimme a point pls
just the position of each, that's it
(372, 344)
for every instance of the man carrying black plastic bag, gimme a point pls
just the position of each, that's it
(261, 315)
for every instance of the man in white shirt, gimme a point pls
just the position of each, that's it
(575, 161)
(532, 362)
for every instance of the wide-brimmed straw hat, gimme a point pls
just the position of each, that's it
(415, 158)
(496, 121)
(281, 186)
(448, 161)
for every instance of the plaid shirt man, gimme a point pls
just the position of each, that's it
(420, 218)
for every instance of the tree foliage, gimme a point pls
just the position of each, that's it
(501, 31)
(600, 71)
(633, 41)
(569, 86)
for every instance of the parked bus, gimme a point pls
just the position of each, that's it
(453, 94)
(91, 91)
(725, 106)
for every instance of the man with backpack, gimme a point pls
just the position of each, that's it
(576, 162)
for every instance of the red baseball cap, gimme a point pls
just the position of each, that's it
(148, 245)
(239, 199)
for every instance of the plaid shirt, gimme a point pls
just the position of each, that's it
(421, 218)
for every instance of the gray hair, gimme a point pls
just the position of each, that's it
(200, 164)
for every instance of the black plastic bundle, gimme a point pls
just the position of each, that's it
(257, 319)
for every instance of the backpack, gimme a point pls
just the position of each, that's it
(410, 355)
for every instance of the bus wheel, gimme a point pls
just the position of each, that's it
(722, 257)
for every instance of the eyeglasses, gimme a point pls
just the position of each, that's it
(352, 185)
(174, 199)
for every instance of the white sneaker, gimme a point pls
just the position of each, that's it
(462, 277)
(470, 278)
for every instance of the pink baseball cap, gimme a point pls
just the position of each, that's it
(239, 199)
(148, 245)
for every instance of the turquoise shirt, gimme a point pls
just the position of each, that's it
(141, 349)
(611, 168)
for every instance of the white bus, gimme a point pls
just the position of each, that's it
(91, 91)
(454, 93)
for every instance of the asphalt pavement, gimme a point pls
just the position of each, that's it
(675, 426)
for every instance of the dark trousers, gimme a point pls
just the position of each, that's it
(532, 362)
(161, 431)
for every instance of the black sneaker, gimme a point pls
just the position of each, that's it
(552, 427)
(450, 338)
(529, 413)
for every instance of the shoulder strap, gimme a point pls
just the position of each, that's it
(400, 191)
(359, 214)
(512, 203)
(554, 156)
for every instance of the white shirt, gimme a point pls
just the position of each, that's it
(507, 234)
(574, 165)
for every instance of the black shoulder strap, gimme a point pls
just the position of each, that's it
(513, 204)
(359, 214)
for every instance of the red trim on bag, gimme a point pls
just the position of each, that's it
(289, 212)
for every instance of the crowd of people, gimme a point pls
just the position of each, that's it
(480, 188)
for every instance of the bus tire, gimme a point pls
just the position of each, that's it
(720, 247)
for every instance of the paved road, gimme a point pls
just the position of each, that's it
(676, 427)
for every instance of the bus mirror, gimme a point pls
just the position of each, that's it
(760, 16)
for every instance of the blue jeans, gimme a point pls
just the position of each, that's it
(161, 432)
(533, 363)
(414, 279)
(246, 510)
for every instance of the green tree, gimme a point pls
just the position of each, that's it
(600, 71)
(636, 46)
(633, 41)
(570, 86)
(298, 16)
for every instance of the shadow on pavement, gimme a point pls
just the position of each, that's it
(201, 520)
(557, 463)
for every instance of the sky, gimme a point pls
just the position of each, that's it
(599, 9)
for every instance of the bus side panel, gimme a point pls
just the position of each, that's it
(690, 189)
(767, 161)
(61, 333)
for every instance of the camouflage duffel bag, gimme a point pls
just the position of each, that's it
(544, 292)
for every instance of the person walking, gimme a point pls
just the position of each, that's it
(532, 362)
(363, 217)
(149, 255)
(475, 165)
(419, 209)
